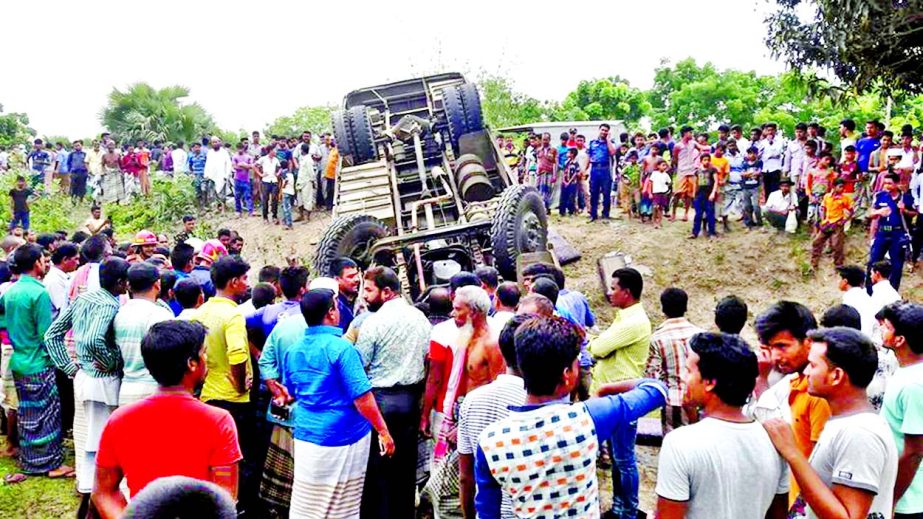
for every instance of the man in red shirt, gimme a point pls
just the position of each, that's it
(169, 433)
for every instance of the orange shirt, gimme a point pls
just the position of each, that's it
(333, 159)
(837, 208)
(809, 415)
(724, 168)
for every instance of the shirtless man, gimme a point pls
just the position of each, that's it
(483, 361)
(111, 187)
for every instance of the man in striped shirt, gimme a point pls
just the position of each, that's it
(97, 370)
(484, 406)
(669, 346)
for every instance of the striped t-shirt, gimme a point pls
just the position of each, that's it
(130, 325)
(483, 407)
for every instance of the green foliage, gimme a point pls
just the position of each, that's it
(868, 45)
(502, 106)
(162, 212)
(14, 129)
(143, 112)
(611, 98)
(315, 119)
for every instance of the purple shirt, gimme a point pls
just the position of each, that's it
(239, 172)
(267, 317)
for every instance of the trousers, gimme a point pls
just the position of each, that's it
(600, 186)
(704, 208)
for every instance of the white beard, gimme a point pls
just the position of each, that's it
(465, 334)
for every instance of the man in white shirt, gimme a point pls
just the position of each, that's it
(180, 159)
(852, 284)
(853, 467)
(883, 293)
(771, 148)
(793, 162)
(268, 167)
(4, 159)
(505, 302)
(780, 203)
(725, 465)
(218, 170)
(57, 281)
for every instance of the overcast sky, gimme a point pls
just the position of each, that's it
(251, 63)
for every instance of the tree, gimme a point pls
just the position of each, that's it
(315, 119)
(865, 44)
(14, 129)
(611, 98)
(502, 106)
(143, 112)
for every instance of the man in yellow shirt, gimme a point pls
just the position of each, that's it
(621, 354)
(836, 210)
(227, 383)
(330, 173)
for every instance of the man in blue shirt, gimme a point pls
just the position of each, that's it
(601, 151)
(513, 451)
(868, 145)
(77, 166)
(893, 209)
(293, 281)
(39, 160)
(346, 273)
(197, 167)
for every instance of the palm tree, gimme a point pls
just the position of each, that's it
(143, 112)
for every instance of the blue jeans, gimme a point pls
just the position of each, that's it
(750, 201)
(703, 208)
(624, 472)
(243, 197)
(889, 242)
(600, 186)
(287, 202)
(20, 218)
(568, 199)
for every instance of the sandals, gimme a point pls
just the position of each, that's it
(12, 479)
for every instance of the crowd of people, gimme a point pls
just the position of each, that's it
(297, 173)
(873, 178)
(335, 396)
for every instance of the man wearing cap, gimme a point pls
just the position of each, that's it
(779, 204)
(892, 209)
(836, 210)
(142, 246)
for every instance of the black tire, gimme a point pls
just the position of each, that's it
(348, 236)
(360, 131)
(455, 114)
(341, 132)
(519, 225)
(472, 103)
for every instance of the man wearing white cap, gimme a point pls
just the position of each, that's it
(276, 484)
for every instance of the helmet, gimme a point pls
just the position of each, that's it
(144, 237)
(212, 250)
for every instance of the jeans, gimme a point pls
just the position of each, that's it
(581, 194)
(889, 242)
(287, 202)
(20, 218)
(269, 197)
(568, 197)
(329, 185)
(600, 186)
(390, 483)
(243, 198)
(250, 472)
(750, 198)
(703, 208)
(625, 472)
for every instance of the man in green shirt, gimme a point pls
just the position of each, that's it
(25, 312)
(621, 354)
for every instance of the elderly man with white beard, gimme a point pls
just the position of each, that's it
(477, 361)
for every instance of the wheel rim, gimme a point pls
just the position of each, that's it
(361, 252)
(531, 237)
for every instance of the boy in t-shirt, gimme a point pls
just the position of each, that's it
(19, 197)
(629, 186)
(705, 194)
(750, 180)
(723, 166)
(288, 198)
(660, 191)
(570, 182)
(820, 180)
(243, 165)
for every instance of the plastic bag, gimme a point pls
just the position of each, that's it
(791, 223)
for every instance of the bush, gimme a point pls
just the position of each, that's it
(170, 199)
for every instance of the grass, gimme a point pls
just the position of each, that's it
(38, 497)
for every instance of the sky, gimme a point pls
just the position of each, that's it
(248, 63)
